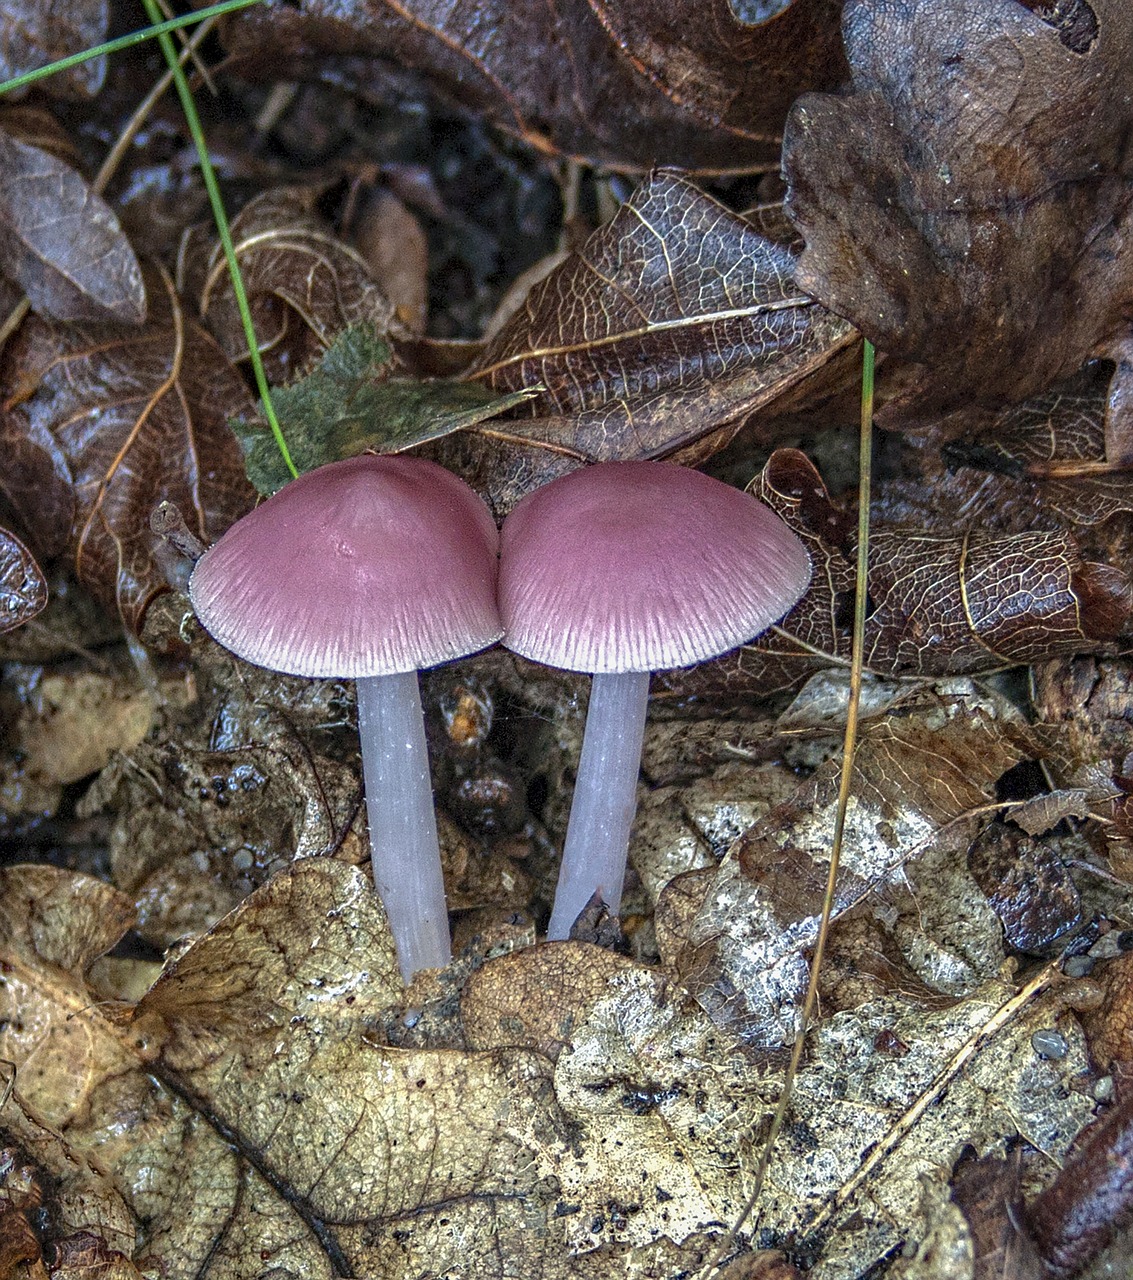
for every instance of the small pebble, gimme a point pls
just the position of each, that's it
(1050, 1043)
(1078, 966)
(242, 860)
(1103, 1088)
(1106, 947)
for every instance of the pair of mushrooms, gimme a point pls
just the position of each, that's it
(375, 567)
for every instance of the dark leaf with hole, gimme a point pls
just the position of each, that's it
(61, 242)
(659, 337)
(1029, 888)
(36, 32)
(949, 208)
(23, 590)
(684, 82)
(352, 403)
(100, 423)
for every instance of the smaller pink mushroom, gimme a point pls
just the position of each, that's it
(621, 569)
(368, 569)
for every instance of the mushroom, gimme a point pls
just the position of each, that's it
(621, 569)
(367, 569)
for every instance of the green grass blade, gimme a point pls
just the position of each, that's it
(221, 219)
(125, 42)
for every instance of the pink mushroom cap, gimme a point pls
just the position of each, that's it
(371, 566)
(641, 566)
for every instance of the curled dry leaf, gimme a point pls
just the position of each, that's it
(938, 604)
(626, 86)
(100, 423)
(950, 213)
(738, 936)
(304, 285)
(36, 32)
(670, 326)
(23, 588)
(61, 242)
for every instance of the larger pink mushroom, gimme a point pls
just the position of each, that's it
(368, 569)
(621, 569)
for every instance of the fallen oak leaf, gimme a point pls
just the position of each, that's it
(85, 1069)
(100, 423)
(61, 242)
(947, 210)
(739, 939)
(625, 86)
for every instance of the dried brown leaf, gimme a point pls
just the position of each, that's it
(938, 604)
(670, 326)
(1082, 710)
(988, 1193)
(55, 1199)
(74, 721)
(1056, 444)
(391, 240)
(100, 423)
(23, 588)
(1028, 887)
(626, 85)
(1074, 1219)
(535, 998)
(194, 831)
(62, 242)
(1109, 1027)
(36, 32)
(304, 285)
(1041, 813)
(948, 210)
(739, 940)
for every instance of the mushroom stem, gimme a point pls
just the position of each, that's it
(605, 798)
(403, 827)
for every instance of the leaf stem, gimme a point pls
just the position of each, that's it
(221, 219)
(124, 42)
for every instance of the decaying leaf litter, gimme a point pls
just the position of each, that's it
(213, 1067)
